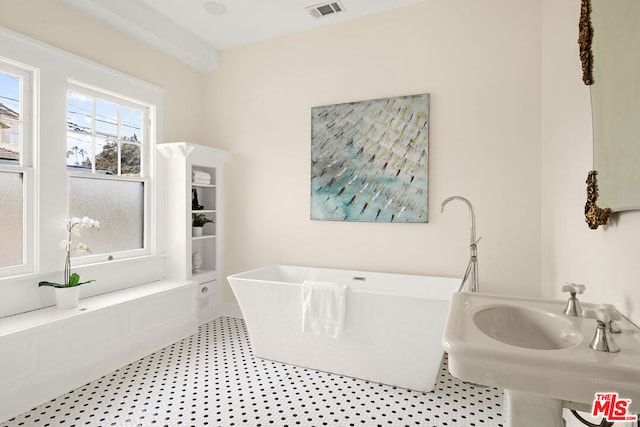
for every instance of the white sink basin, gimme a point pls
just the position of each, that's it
(526, 327)
(528, 345)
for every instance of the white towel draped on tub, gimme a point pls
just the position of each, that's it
(323, 308)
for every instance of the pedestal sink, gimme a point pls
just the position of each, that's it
(526, 328)
(539, 356)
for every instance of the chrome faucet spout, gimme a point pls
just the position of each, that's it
(472, 216)
(471, 274)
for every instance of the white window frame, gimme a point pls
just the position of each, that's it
(29, 121)
(147, 148)
(48, 179)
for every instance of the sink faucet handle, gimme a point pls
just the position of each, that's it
(612, 310)
(615, 315)
(574, 288)
(604, 313)
(597, 313)
(573, 305)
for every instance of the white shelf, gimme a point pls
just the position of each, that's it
(205, 276)
(182, 159)
(203, 237)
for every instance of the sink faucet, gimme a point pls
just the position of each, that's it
(604, 314)
(471, 274)
(573, 305)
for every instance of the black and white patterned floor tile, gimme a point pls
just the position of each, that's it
(212, 379)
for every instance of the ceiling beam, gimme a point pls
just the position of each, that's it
(144, 24)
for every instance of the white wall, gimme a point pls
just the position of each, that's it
(604, 260)
(481, 65)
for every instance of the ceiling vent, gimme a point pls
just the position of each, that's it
(324, 9)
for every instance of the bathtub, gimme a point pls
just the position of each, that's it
(392, 330)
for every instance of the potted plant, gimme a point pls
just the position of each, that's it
(68, 292)
(198, 221)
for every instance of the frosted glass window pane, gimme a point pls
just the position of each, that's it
(11, 217)
(118, 205)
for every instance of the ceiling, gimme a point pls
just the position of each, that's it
(185, 30)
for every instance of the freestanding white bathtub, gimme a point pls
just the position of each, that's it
(392, 330)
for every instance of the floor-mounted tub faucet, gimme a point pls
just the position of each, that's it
(471, 274)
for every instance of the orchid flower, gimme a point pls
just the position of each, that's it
(73, 226)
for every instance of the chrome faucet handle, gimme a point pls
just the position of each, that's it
(612, 325)
(604, 313)
(573, 305)
(602, 340)
(573, 288)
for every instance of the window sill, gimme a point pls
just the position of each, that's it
(23, 294)
(25, 321)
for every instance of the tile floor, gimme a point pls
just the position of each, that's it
(212, 379)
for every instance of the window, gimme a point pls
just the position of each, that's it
(10, 118)
(107, 158)
(104, 136)
(40, 185)
(15, 171)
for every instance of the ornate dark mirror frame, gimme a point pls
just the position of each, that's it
(594, 215)
(585, 38)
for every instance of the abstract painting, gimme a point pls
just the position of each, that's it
(369, 160)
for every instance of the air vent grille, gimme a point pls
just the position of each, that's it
(324, 9)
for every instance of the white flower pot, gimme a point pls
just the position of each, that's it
(196, 231)
(67, 297)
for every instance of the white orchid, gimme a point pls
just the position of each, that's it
(89, 223)
(73, 226)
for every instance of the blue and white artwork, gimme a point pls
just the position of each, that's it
(369, 160)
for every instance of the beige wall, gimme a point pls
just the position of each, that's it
(605, 260)
(509, 127)
(481, 66)
(56, 24)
